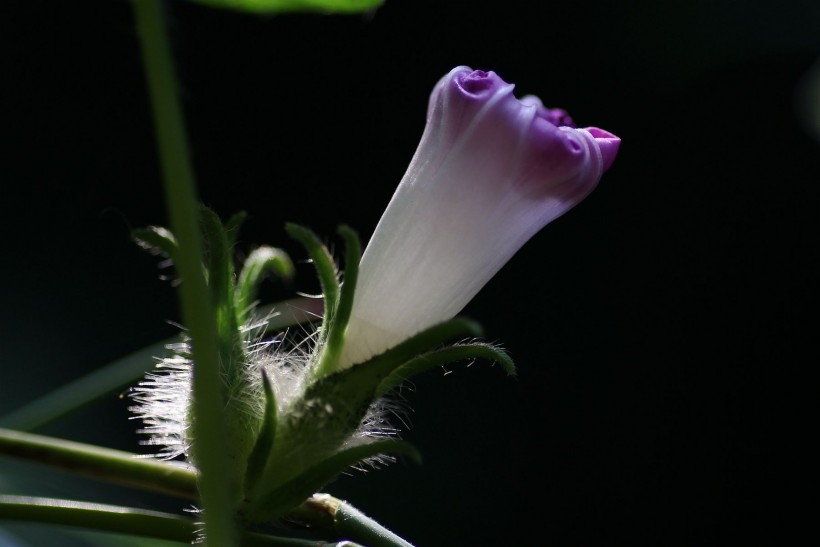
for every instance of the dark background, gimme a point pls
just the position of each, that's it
(664, 330)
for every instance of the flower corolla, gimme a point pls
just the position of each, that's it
(490, 171)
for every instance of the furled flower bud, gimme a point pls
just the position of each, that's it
(491, 170)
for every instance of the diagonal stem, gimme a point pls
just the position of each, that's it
(96, 462)
(126, 370)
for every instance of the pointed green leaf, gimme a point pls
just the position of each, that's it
(451, 354)
(259, 455)
(220, 282)
(287, 496)
(280, 6)
(355, 388)
(241, 426)
(366, 377)
(336, 330)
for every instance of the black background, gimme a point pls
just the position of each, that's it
(664, 330)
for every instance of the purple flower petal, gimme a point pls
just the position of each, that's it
(490, 171)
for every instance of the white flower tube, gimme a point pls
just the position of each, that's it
(490, 171)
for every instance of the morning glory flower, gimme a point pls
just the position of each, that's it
(490, 171)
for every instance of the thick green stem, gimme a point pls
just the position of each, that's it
(197, 307)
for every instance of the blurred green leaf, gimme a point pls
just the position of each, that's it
(122, 372)
(280, 6)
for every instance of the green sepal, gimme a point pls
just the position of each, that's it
(258, 457)
(332, 408)
(450, 354)
(259, 263)
(281, 6)
(325, 269)
(334, 343)
(242, 425)
(219, 262)
(220, 281)
(274, 504)
(384, 364)
(157, 240)
(355, 388)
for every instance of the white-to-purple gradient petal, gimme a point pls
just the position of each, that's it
(490, 171)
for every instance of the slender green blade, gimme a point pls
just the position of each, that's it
(450, 354)
(259, 455)
(337, 327)
(280, 6)
(122, 372)
(78, 393)
(288, 496)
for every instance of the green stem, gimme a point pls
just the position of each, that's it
(197, 308)
(110, 518)
(350, 522)
(100, 463)
(324, 515)
(125, 520)
(340, 519)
